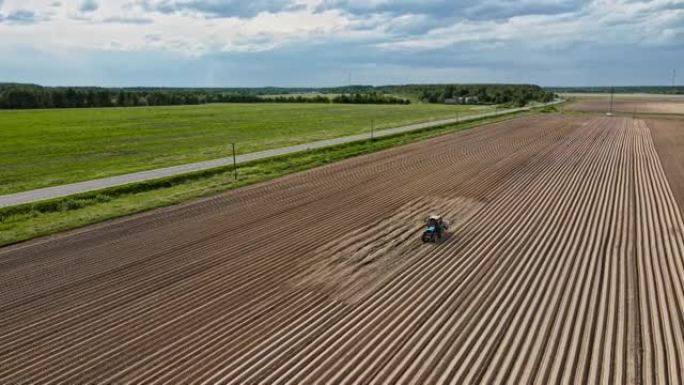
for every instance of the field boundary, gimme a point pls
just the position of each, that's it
(63, 191)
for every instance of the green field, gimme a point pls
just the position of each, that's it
(43, 148)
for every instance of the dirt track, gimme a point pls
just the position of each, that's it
(566, 266)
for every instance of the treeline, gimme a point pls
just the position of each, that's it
(351, 89)
(507, 94)
(19, 96)
(370, 98)
(228, 90)
(365, 98)
(13, 96)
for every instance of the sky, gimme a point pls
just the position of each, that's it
(320, 43)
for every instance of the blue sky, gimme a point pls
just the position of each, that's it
(215, 43)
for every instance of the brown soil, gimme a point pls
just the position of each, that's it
(630, 107)
(564, 265)
(668, 137)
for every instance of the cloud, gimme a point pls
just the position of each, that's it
(459, 9)
(318, 42)
(128, 20)
(488, 10)
(406, 18)
(606, 23)
(221, 8)
(21, 16)
(89, 6)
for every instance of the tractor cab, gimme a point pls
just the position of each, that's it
(434, 220)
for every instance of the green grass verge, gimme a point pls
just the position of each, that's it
(42, 148)
(28, 221)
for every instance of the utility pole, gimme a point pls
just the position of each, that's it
(611, 100)
(234, 162)
(674, 77)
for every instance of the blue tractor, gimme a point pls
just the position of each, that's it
(435, 229)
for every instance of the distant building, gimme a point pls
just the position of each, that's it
(462, 100)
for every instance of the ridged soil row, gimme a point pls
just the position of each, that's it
(371, 341)
(540, 304)
(128, 278)
(566, 266)
(216, 227)
(290, 345)
(659, 255)
(361, 322)
(499, 273)
(491, 315)
(517, 299)
(297, 188)
(96, 335)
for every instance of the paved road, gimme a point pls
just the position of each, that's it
(142, 176)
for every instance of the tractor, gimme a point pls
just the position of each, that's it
(435, 229)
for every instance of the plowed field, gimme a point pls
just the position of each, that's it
(631, 107)
(564, 265)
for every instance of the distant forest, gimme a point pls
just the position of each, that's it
(27, 96)
(676, 90)
(509, 94)
(506, 94)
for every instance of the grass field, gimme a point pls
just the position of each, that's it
(51, 147)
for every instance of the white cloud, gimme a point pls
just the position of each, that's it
(604, 22)
(117, 24)
(402, 33)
